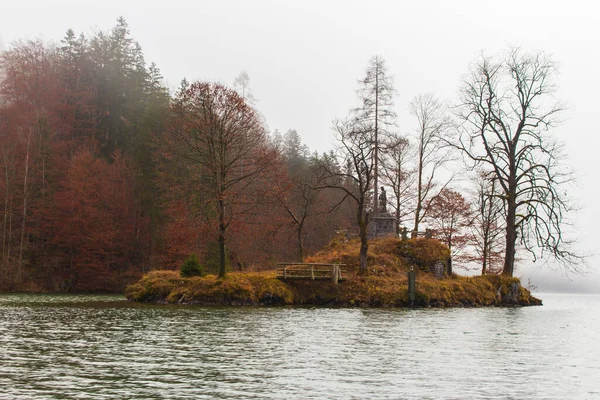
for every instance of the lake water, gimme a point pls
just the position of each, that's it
(93, 347)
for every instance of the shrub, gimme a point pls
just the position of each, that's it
(424, 252)
(191, 267)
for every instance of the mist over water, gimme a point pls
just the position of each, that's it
(103, 347)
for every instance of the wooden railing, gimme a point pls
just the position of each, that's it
(311, 271)
(406, 234)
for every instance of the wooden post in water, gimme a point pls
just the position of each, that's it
(312, 272)
(411, 286)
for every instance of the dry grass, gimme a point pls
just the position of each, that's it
(385, 285)
(237, 288)
(388, 256)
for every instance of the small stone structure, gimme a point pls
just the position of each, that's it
(382, 225)
(438, 270)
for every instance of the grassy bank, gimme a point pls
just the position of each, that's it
(386, 284)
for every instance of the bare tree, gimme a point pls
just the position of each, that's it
(241, 84)
(298, 199)
(377, 96)
(507, 112)
(399, 176)
(355, 151)
(487, 227)
(296, 187)
(431, 154)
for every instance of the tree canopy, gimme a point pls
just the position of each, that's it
(107, 175)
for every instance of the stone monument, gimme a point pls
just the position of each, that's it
(382, 222)
(383, 201)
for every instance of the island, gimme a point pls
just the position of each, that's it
(385, 285)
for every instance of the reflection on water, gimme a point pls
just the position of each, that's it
(103, 347)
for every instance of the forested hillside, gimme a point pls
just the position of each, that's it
(105, 173)
(93, 193)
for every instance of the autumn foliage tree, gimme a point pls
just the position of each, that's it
(451, 216)
(218, 138)
(86, 200)
(95, 197)
(30, 127)
(105, 175)
(58, 102)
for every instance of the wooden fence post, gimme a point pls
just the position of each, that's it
(411, 286)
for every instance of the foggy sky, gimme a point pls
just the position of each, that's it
(304, 59)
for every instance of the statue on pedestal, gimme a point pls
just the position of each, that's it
(382, 201)
(383, 223)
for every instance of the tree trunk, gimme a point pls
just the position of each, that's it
(484, 257)
(364, 247)
(71, 273)
(398, 214)
(300, 244)
(6, 211)
(417, 212)
(376, 149)
(511, 239)
(20, 265)
(9, 240)
(419, 199)
(364, 241)
(486, 221)
(222, 270)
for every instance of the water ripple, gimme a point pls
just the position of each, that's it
(100, 347)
